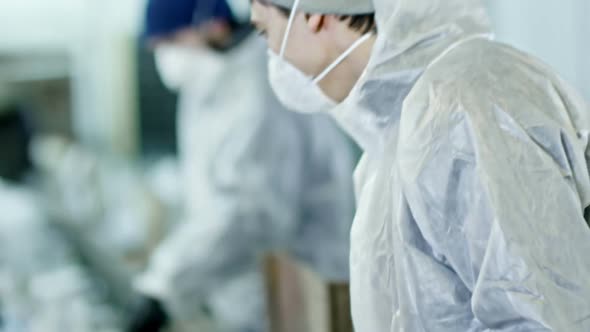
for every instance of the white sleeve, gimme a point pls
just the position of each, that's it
(501, 240)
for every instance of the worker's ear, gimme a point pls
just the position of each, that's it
(315, 22)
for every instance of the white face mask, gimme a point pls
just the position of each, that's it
(296, 90)
(179, 66)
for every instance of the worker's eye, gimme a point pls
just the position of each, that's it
(259, 30)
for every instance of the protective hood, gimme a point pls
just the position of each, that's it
(412, 34)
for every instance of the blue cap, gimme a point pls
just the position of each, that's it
(165, 17)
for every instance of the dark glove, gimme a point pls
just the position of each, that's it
(149, 316)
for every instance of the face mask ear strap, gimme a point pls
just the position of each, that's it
(342, 57)
(289, 26)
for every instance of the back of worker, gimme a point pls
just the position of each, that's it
(257, 178)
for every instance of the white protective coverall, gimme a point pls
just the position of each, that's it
(258, 178)
(473, 189)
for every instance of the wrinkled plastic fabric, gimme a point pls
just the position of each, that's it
(258, 178)
(474, 184)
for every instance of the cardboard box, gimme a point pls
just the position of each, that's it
(301, 301)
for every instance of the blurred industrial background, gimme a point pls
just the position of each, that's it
(80, 101)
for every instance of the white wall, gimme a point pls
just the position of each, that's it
(99, 37)
(557, 31)
(38, 24)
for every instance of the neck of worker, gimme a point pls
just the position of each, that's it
(343, 85)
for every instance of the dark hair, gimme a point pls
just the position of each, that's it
(363, 23)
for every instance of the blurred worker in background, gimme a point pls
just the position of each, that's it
(257, 177)
(474, 186)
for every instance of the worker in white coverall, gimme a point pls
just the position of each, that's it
(474, 188)
(258, 178)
